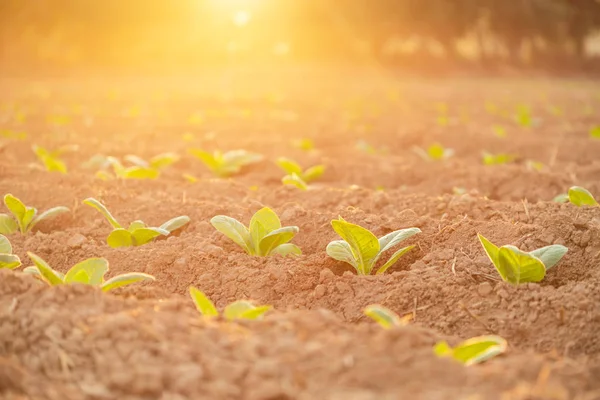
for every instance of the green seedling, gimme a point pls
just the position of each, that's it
(158, 162)
(595, 132)
(361, 249)
(264, 237)
(291, 167)
(133, 172)
(499, 131)
(241, 309)
(50, 159)
(304, 144)
(581, 197)
(7, 258)
(535, 165)
(138, 233)
(561, 198)
(10, 134)
(88, 272)
(435, 152)
(24, 218)
(523, 117)
(497, 159)
(385, 317)
(472, 351)
(516, 266)
(294, 180)
(228, 163)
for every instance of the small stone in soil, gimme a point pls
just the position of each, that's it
(484, 289)
(76, 241)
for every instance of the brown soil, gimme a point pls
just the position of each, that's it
(147, 341)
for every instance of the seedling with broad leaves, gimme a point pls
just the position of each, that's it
(385, 317)
(581, 197)
(241, 309)
(228, 163)
(7, 258)
(291, 167)
(516, 266)
(158, 162)
(361, 248)
(50, 159)
(88, 272)
(497, 159)
(24, 218)
(264, 237)
(294, 180)
(138, 233)
(472, 351)
(435, 152)
(131, 172)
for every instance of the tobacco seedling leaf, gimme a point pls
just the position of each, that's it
(581, 197)
(226, 164)
(385, 317)
(286, 249)
(50, 160)
(119, 238)
(175, 223)
(45, 271)
(244, 309)
(93, 268)
(595, 132)
(473, 351)
(295, 172)
(234, 230)
(144, 235)
(9, 261)
(550, 255)
(53, 212)
(124, 280)
(276, 238)
(203, 303)
(294, 180)
(8, 225)
(103, 210)
(5, 246)
(25, 216)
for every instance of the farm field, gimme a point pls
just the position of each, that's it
(148, 341)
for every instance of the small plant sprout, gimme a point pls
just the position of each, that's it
(7, 258)
(499, 131)
(385, 317)
(497, 159)
(137, 233)
(158, 162)
(24, 218)
(264, 237)
(88, 272)
(595, 132)
(133, 172)
(361, 249)
(516, 266)
(294, 180)
(561, 198)
(304, 144)
(291, 167)
(50, 160)
(523, 117)
(241, 309)
(435, 152)
(581, 197)
(228, 163)
(472, 351)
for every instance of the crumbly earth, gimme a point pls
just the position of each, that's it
(147, 341)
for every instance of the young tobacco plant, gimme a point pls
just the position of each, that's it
(516, 266)
(291, 167)
(24, 218)
(385, 317)
(294, 180)
(581, 197)
(228, 163)
(264, 237)
(157, 162)
(7, 258)
(50, 160)
(497, 159)
(361, 249)
(472, 351)
(241, 309)
(132, 172)
(435, 152)
(137, 233)
(89, 272)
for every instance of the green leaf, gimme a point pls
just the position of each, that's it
(313, 173)
(550, 255)
(125, 279)
(9, 261)
(263, 222)
(18, 209)
(5, 246)
(80, 277)
(289, 166)
(203, 303)
(595, 132)
(29, 216)
(49, 275)
(256, 312)
(384, 316)
(136, 172)
(234, 230)
(234, 160)
(388, 241)
(50, 161)
(243, 309)
(294, 180)
(395, 257)
(493, 253)
(473, 351)
(173, 224)
(286, 250)
(103, 210)
(207, 158)
(276, 238)
(340, 250)
(119, 238)
(561, 198)
(94, 269)
(138, 224)
(137, 161)
(8, 225)
(581, 197)
(162, 161)
(53, 212)
(520, 267)
(436, 152)
(362, 242)
(145, 235)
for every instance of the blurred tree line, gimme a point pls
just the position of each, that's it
(550, 33)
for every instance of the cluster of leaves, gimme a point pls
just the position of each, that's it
(137, 233)
(228, 163)
(241, 309)
(472, 351)
(265, 235)
(140, 168)
(296, 176)
(24, 218)
(50, 159)
(361, 248)
(516, 266)
(89, 272)
(385, 317)
(7, 258)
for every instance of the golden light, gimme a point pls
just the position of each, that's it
(241, 18)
